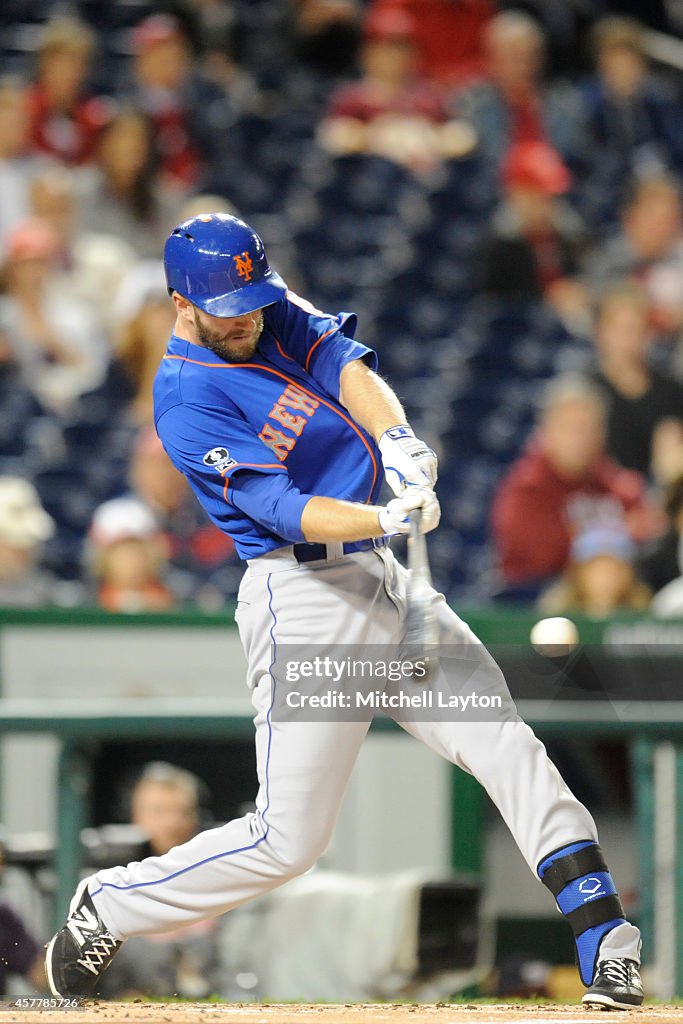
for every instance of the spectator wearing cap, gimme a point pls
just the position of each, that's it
(25, 527)
(563, 483)
(631, 117)
(127, 556)
(391, 110)
(189, 114)
(533, 250)
(512, 103)
(449, 36)
(56, 343)
(121, 194)
(640, 400)
(600, 579)
(65, 121)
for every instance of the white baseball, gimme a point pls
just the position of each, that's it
(555, 637)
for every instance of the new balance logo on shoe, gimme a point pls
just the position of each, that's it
(80, 922)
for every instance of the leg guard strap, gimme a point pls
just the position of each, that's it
(581, 862)
(591, 914)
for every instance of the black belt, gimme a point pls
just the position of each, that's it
(318, 552)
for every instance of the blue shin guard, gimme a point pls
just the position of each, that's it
(579, 879)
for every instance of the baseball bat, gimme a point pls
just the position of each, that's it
(421, 633)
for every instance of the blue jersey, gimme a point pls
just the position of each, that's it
(256, 440)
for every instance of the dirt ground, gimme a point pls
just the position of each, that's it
(440, 1013)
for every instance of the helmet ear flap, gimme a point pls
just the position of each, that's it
(219, 263)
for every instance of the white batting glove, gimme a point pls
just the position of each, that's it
(406, 459)
(395, 517)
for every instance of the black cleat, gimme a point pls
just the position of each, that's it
(80, 952)
(616, 986)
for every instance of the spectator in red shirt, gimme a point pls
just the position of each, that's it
(65, 121)
(563, 484)
(449, 35)
(392, 110)
(391, 83)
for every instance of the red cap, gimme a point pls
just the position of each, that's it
(32, 239)
(157, 28)
(536, 165)
(390, 23)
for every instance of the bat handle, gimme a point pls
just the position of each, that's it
(415, 518)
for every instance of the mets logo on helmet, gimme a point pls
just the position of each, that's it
(245, 267)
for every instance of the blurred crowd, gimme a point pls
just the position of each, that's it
(494, 187)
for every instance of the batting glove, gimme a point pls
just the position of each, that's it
(406, 459)
(395, 517)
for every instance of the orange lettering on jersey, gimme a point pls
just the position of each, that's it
(245, 268)
(278, 442)
(295, 423)
(298, 400)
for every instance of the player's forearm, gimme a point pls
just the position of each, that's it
(369, 399)
(328, 519)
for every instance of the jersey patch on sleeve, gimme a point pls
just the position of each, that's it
(219, 459)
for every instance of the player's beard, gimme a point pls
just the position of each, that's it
(232, 350)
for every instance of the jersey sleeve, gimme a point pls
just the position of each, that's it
(272, 501)
(321, 343)
(212, 447)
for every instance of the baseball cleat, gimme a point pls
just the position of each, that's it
(616, 986)
(80, 952)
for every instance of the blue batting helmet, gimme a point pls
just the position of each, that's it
(218, 262)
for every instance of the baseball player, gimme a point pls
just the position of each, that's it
(284, 431)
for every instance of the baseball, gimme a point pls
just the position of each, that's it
(554, 638)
